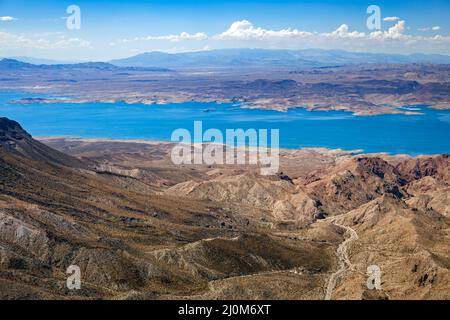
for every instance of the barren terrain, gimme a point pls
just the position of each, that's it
(141, 228)
(366, 89)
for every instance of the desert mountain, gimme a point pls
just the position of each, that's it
(17, 141)
(359, 180)
(280, 198)
(348, 185)
(127, 243)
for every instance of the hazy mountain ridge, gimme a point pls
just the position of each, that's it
(222, 58)
(13, 64)
(270, 58)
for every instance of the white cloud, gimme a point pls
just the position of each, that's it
(178, 37)
(391, 19)
(435, 28)
(7, 18)
(396, 31)
(40, 41)
(244, 29)
(243, 34)
(171, 37)
(343, 32)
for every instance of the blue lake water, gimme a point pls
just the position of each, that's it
(419, 134)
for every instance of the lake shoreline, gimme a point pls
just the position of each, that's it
(321, 150)
(423, 132)
(252, 105)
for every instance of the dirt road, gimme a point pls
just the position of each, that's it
(344, 261)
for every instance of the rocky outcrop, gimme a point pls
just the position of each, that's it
(353, 183)
(281, 198)
(28, 237)
(421, 167)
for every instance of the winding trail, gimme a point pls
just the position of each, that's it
(344, 261)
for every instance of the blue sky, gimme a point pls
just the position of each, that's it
(113, 29)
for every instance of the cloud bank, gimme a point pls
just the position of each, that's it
(435, 28)
(7, 18)
(244, 34)
(50, 40)
(391, 19)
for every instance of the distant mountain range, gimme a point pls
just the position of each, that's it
(270, 58)
(13, 64)
(226, 58)
(41, 60)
